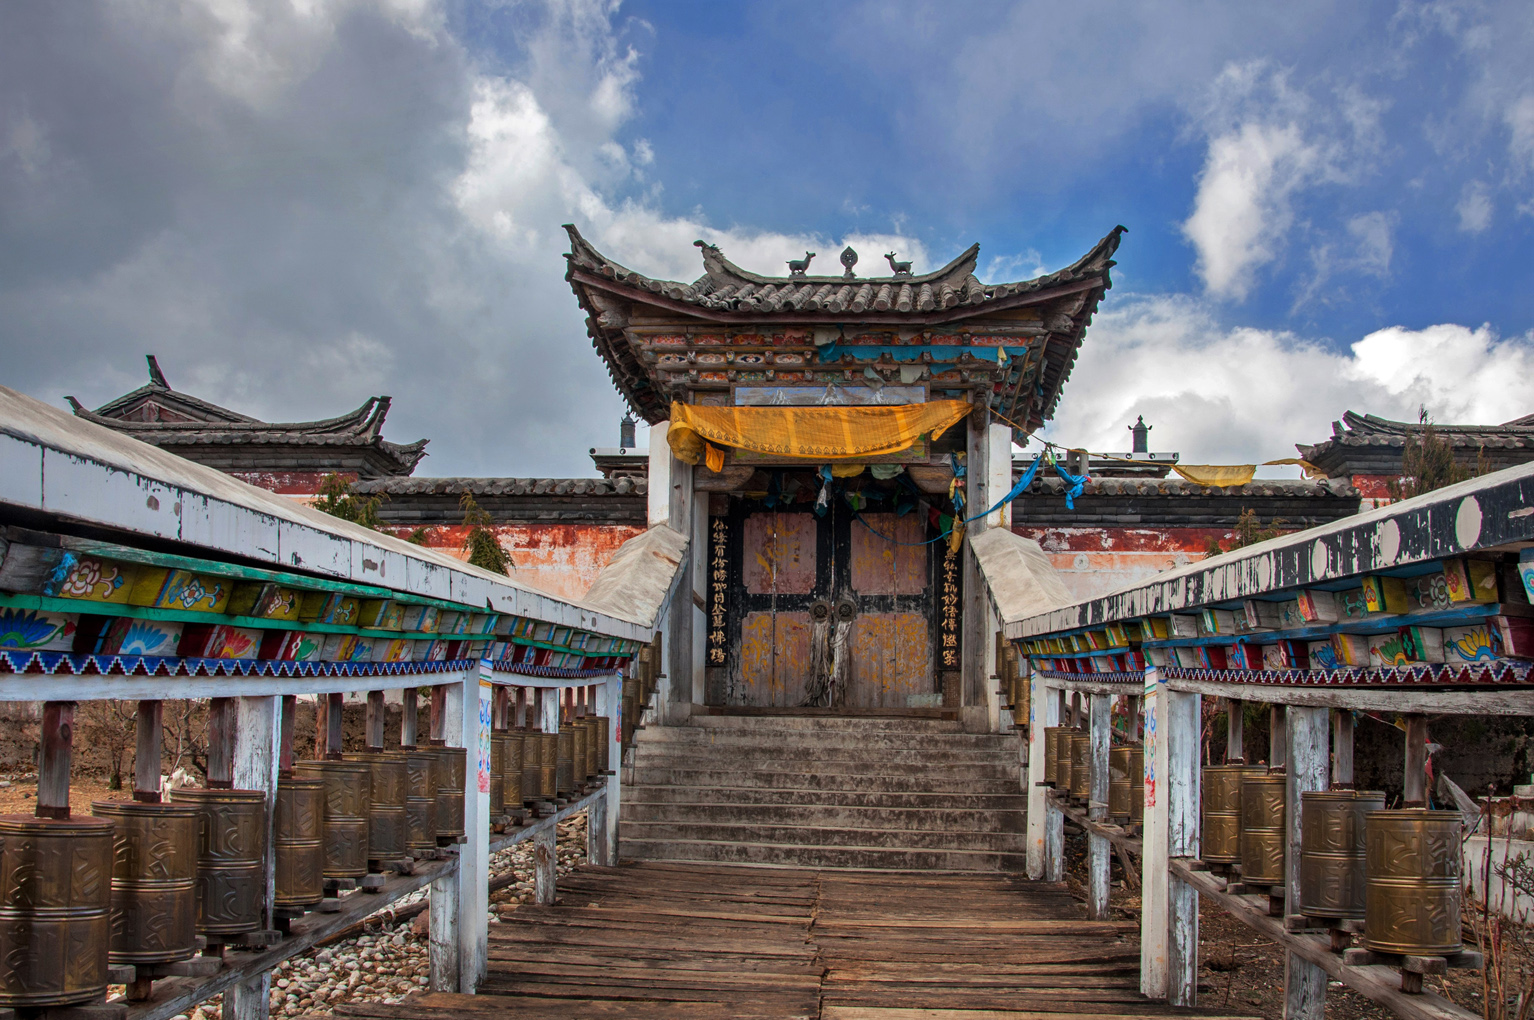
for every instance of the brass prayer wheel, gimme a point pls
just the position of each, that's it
(1332, 851)
(591, 747)
(565, 752)
(348, 789)
(511, 778)
(298, 843)
(388, 826)
(1136, 783)
(231, 859)
(604, 737)
(497, 776)
(1081, 765)
(578, 752)
(1052, 754)
(1063, 759)
(1220, 828)
(1412, 884)
(154, 881)
(1120, 783)
(549, 765)
(421, 799)
(55, 909)
(1262, 828)
(532, 765)
(452, 765)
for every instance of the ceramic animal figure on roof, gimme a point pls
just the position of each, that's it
(798, 267)
(898, 268)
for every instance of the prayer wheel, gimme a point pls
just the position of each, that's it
(55, 909)
(549, 765)
(511, 777)
(1220, 833)
(1052, 753)
(154, 881)
(1137, 783)
(532, 766)
(421, 800)
(1412, 884)
(388, 824)
(1262, 828)
(1332, 824)
(299, 842)
(578, 752)
(452, 766)
(1081, 765)
(348, 789)
(586, 764)
(563, 762)
(231, 859)
(1120, 783)
(604, 738)
(497, 776)
(1063, 759)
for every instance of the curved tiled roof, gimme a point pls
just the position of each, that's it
(623, 486)
(1364, 442)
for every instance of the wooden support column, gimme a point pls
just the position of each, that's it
(1046, 825)
(256, 744)
(57, 739)
(543, 867)
(1235, 732)
(1184, 717)
(1414, 781)
(335, 706)
(222, 725)
(1306, 770)
(1154, 876)
(410, 715)
(974, 631)
(1342, 749)
(1098, 848)
(459, 934)
(1278, 743)
(148, 751)
(376, 714)
(289, 722)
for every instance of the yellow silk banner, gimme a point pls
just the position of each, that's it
(1217, 475)
(815, 433)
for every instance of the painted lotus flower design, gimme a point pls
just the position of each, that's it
(20, 628)
(145, 638)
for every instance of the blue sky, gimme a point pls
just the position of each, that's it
(298, 205)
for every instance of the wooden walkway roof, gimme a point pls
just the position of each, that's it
(660, 941)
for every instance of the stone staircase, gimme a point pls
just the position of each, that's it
(825, 792)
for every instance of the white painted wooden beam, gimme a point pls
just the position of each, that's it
(1307, 771)
(1097, 807)
(1184, 744)
(1043, 710)
(1155, 879)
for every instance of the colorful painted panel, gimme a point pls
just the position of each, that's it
(27, 630)
(160, 588)
(126, 636)
(774, 658)
(778, 553)
(887, 555)
(233, 643)
(85, 577)
(891, 660)
(395, 650)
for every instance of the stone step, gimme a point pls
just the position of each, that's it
(807, 835)
(1011, 800)
(841, 762)
(837, 857)
(879, 781)
(826, 816)
(871, 740)
(825, 723)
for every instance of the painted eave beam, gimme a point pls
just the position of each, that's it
(1490, 512)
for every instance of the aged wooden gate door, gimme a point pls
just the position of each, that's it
(835, 611)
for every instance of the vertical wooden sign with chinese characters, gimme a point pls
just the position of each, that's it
(950, 646)
(718, 574)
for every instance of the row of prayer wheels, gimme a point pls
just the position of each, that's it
(1068, 767)
(638, 688)
(527, 766)
(1397, 871)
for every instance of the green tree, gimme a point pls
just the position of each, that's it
(1248, 531)
(1427, 463)
(483, 547)
(337, 499)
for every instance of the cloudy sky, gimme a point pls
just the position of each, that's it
(297, 204)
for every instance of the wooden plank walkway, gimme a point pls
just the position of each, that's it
(664, 941)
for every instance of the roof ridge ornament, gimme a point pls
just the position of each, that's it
(898, 268)
(798, 267)
(849, 259)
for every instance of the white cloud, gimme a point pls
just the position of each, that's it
(1520, 125)
(1218, 394)
(1474, 207)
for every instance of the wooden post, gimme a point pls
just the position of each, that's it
(500, 714)
(1043, 711)
(1097, 808)
(1278, 744)
(376, 714)
(289, 721)
(438, 714)
(1154, 876)
(334, 718)
(1307, 762)
(1184, 740)
(544, 858)
(410, 716)
(222, 725)
(1235, 732)
(147, 753)
(58, 736)
(1414, 782)
(459, 934)
(975, 699)
(256, 756)
(1076, 709)
(1342, 749)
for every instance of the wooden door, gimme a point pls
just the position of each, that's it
(825, 611)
